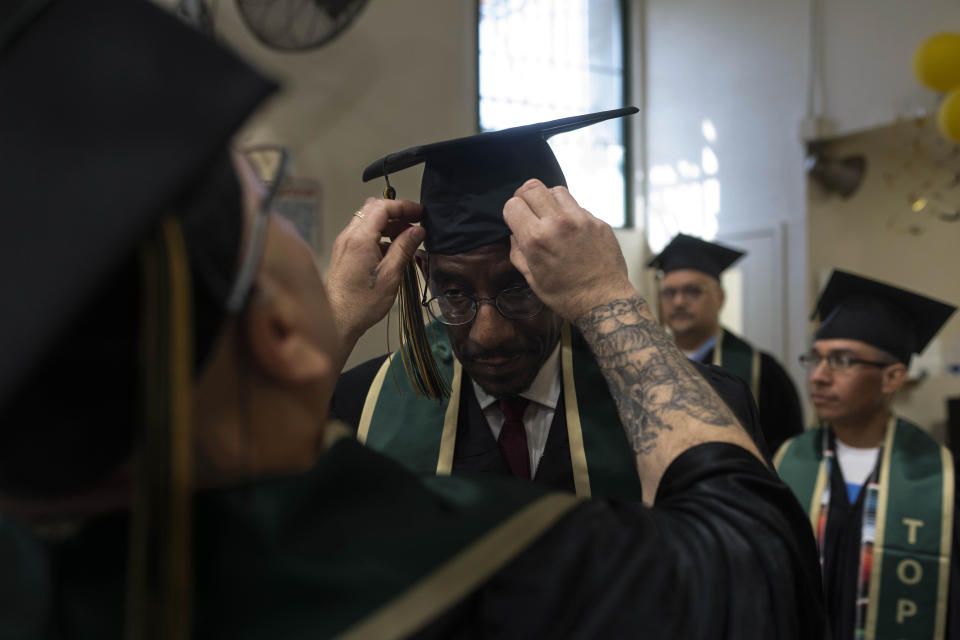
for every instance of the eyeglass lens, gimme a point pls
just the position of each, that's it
(689, 292)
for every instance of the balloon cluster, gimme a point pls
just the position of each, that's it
(936, 64)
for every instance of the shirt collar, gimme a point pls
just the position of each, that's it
(701, 352)
(544, 390)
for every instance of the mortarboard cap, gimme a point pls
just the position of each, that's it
(113, 115)
(889, 318)
(689, 252)
(466, 181)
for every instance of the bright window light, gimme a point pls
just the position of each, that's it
(547, 59)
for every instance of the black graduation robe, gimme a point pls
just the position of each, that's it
(781, 416)
(725, 554)
(842, 560)
(476, 450)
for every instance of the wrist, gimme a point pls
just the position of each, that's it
(582, 305)
(347, 329)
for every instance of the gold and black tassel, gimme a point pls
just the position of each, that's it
(160, 572)
(417, 356)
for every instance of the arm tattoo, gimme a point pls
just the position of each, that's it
(374, 273)
(652, 382)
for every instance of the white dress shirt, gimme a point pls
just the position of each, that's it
(544, 392)
(700, 353)
(856, 465)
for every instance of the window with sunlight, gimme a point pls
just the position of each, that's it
(547, 59)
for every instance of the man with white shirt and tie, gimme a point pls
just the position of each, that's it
(526, 396)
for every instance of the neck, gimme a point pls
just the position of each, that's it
(863, 433)
(695, 338)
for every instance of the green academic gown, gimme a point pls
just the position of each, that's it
(361, 548)
(781, 416)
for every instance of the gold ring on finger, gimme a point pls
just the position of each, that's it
(358, 213)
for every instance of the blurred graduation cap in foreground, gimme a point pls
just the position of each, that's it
(889, 318)
(122, 227)
(114, 115)
(689, 252)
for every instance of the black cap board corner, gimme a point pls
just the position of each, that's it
(885, 316)
(689, 252)
(466, 181)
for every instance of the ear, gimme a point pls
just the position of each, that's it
(278, 334)
(894, 376)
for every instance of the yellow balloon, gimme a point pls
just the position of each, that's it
(948, 116)
(936, 63)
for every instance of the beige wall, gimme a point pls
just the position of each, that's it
(867, 53)
(876, 233)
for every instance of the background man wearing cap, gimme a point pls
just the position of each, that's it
(880, 491)
(527, 396)
(690, 300)
(100, 391)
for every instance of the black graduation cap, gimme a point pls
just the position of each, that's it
(466, 181)
(689, 252)
(895, 320)
(113, 115)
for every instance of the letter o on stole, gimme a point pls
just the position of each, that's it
(909, 571)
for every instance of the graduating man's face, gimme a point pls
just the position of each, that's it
(690, 301)
(502, 355)
(854, 395)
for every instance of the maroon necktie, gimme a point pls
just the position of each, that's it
(513, 437)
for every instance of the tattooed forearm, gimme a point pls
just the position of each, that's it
(652, 382)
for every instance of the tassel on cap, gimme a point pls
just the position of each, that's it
(415, 352)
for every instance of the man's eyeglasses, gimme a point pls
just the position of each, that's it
(838, 361)
(456, 308)
(689, 292)
(270, 164)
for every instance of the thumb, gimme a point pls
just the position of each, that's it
(402, 250)
(519, 260)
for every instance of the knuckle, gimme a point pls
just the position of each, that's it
(566, 224)
(512, 204)
(539, 237)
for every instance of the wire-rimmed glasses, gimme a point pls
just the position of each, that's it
(269, 163)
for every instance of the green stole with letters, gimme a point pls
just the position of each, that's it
(735, 354)
(910, 567)
(421, 433)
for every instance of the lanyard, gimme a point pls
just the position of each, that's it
(868, 526)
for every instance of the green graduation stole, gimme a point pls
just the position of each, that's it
(734, 354)
(909, 567)
(421, 433)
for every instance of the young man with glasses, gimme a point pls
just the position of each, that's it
(879, 490)
(527, 397)
(690, 301)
